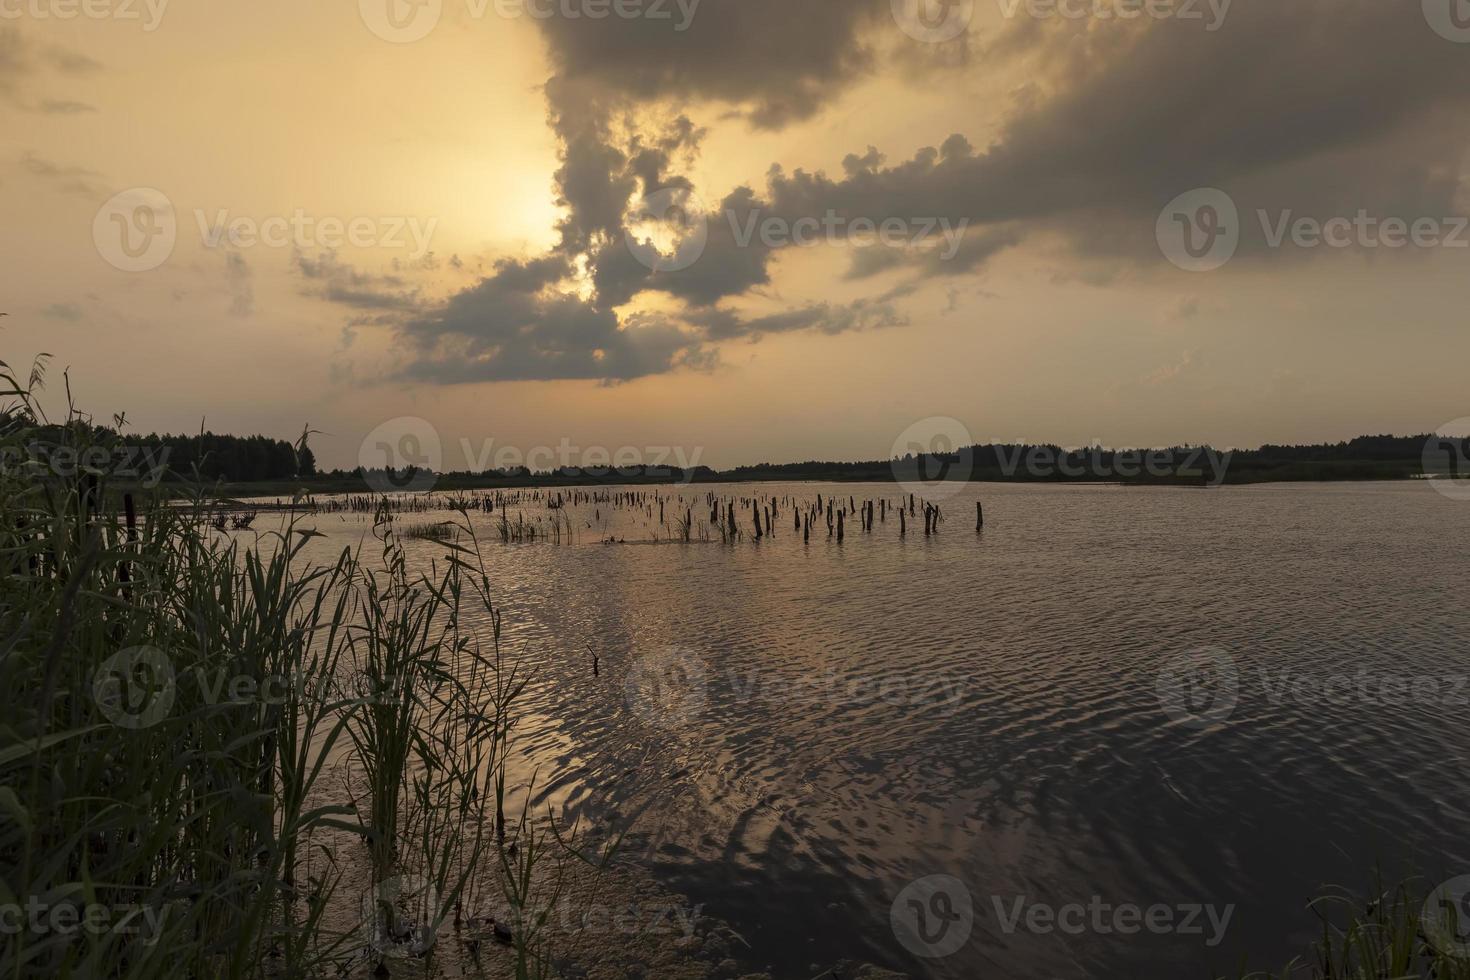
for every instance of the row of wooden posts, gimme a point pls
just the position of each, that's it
(764, 512)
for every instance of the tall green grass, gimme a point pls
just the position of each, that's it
(1403, 932)
(207, 736)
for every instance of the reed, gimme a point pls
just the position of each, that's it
(436, 531)
(197, 729)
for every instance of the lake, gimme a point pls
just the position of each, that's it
(1117, 733)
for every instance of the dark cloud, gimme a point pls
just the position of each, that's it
(593, 182)
(774, 61)
(602, 170)
(731, 264)
(516, 325)
(1320, 106)
(1317, 105)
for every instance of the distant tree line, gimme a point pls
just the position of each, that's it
(208, 455)
(233, 459)
(1364, 458)
(259, 459)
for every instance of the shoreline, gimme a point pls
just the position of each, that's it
(456, 484)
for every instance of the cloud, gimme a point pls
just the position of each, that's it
(68, 179)
(20, 61)
(774, 62)
(71, 62)
(721, 324)
(517, 324)
(240, 279)
(1113, 119)
(728, 266)
(1121, 116)
(1118, 117)
(935, 257)
(15, 62)
(63, 107)
(331, 279)
(69, 312)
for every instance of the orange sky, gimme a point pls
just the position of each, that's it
(1076, 327)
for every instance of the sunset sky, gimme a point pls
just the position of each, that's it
(495, 270)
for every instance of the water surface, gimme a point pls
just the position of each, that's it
(795, 731)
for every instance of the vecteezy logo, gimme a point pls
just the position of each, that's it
(1199, 689)
(402, 455)
(401, 21)
(933, 21)
(1445, 918)
(401, 916)
(667, 688)
(673, 218)
(932, 917)
(135, 230)
(1449, 18)
(1446, 459)
(1199, 230)
(134, 688)
(933, 458)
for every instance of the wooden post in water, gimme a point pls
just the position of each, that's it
(839, 525)
(979, 516)
(903, 527)
(756, 514)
